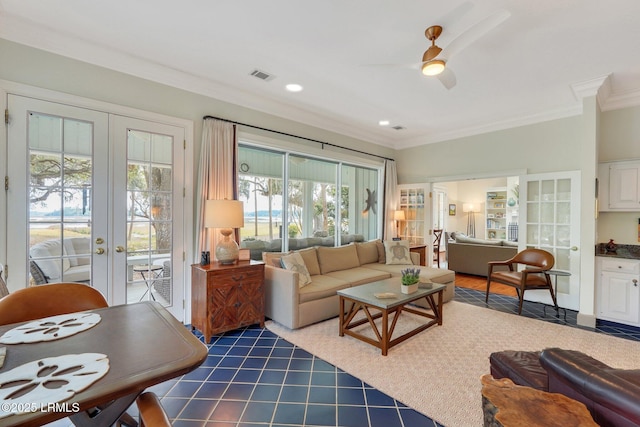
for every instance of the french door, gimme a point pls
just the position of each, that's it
(550, 220)
(92, 199)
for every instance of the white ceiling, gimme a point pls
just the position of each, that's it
(354, 57)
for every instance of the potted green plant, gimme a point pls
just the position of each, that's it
(410, 280)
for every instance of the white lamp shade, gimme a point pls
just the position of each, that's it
(224, 214)
(398, 215)
(469, 207)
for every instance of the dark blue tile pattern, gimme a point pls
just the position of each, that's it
(253, 378)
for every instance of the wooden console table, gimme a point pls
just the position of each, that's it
(226, 297)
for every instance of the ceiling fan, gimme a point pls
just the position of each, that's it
(434, 59)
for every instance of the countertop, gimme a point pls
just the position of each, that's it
(622, 251)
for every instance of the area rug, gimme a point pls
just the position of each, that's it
(437, 372)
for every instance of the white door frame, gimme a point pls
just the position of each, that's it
(570, 300)
(8, 87)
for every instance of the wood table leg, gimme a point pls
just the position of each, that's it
(341, 316)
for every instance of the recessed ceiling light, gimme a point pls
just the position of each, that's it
(293, 87)
(383, 122)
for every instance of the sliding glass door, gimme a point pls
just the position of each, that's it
(327, 203)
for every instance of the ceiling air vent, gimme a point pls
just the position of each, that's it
(262, 75)
(397, 127)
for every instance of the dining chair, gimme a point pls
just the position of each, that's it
(535, 275)
(437, 238)
(52, 299)
(3, 285)
(152, 413)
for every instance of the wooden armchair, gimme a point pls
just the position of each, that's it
(534, 276)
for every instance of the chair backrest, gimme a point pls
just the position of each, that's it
(152, 413)
(437, 237)
(536, 258)
(49, 300)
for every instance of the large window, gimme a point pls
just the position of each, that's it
(328, 203)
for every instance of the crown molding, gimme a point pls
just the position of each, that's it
(510, 123)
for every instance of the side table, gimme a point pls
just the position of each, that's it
(226, 297)
(557, 273)
(153, 273)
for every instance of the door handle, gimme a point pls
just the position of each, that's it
(99, 251)
(574, 248)
(99, 241)
(119, 249)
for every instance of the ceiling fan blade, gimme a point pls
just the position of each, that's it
(474, 32)
(447, 78)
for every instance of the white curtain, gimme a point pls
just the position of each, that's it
(216, 176)
(390, 199)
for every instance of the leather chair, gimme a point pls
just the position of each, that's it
(53, 299)
(437, 238)
(534, 276)
(152, 413)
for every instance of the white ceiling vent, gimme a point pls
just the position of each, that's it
(262, 75)
(397, 127)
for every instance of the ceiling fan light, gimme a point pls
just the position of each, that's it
(433, 67)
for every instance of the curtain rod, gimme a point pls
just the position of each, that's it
(299, 137)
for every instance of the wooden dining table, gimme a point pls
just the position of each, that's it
(145, 346)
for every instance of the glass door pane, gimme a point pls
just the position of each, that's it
(149, 217)
(552, 222)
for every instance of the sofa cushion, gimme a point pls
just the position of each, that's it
(294, 262)
(52, 268)
(337, 258)
(437, 275)
(367, 252)
(75, 248)
(310, 257)
(382, 258)
(359, 276)
(81, 273)
(322, 287)
(397, 252)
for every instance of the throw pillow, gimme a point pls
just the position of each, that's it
(397, 252)
(367, 252)
(294, 262)
(382, 259)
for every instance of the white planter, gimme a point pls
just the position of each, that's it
(409, 289)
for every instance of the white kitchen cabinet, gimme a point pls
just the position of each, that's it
(618, 290)
(619, 186)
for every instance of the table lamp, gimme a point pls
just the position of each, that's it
(226, 215)
(398, 216)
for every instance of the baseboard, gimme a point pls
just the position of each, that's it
(587, 320)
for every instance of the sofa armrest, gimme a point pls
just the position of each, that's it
(610, 395)
(282, 296)
(415, 258)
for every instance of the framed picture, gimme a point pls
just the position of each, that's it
(452, 210)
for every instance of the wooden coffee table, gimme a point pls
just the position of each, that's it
(363, 298)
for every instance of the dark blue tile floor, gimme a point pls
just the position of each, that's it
(253, 378)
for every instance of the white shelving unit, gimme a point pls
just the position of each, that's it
(496, 213)
(414, 202)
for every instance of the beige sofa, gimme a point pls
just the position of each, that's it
(68, 260)
(332, 269)
(469, 255)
